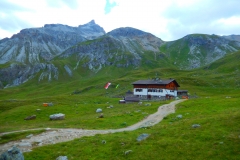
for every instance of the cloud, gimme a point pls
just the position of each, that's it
(168, 20)
(9, 20)
(73, 4)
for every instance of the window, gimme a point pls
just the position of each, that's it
(149, 90)
(138, 90)
(160, 90)
(172, 91)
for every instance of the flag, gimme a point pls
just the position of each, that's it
(117, 86)
(107, 85)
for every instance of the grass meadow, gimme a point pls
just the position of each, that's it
(216, 109)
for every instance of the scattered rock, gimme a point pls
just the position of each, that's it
(50, 104)
(104, 141)
(179, 116)
(138, 111)
(196, 126)
(142, 137)
(58, 116)
(47, 129)
(148, 104)
(62, 158)
(38, 110)
(25, 144)
(38, 141)
(139, 103)
(29, 136)
(111, 106)
(228, 97)
(101, 115)
(220, 142)
(12, 154)
(30, 117)
(127, 152)
(98, 110)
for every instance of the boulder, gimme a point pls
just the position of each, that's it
(12, 154)
(195, 125)
(29, 136)
(142, 137)
(50, 104)
(127, 152)
(179, 116)
(101, 115)
(30, 117)
(25, 144)
(98, 110)
(62, 158)
(148, 104)
(58, 116)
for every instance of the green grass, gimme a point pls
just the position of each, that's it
(18, 135)
(216, 109)
(216, 138)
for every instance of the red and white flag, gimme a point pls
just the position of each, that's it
(107, 85)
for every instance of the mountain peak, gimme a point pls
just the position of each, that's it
(126, 31)
(91, 22)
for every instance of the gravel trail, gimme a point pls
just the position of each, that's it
(57, 135)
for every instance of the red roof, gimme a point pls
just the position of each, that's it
(156, 81)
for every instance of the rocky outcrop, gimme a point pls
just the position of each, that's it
(121, 47)
(32, 50)
(57, 50)
(196, 50)
(12, 154)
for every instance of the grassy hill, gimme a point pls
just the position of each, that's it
(216, 110)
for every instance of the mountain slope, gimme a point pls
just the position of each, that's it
(196, 50)
(57, 51)
(122, 47)
(36, 45)
(27, 53)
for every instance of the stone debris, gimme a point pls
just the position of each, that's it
(29, 136)
(179, 116)
(142, 137)
(111, 106)
(25, 144)
(53, 136)
(58, 116)
(104, 141)
(38, 110)
(62, 158)
(98, 110)
(30, 117)
(101, 115)
(196, 126)
(148, 104)
(127, 152)
(12, 154)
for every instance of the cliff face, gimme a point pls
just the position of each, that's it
(121, 47)
(36, 45)
(193, 51)
(32, 50)
(56, 49)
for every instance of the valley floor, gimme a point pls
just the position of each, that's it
(57, 135)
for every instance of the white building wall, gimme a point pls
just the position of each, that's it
(144, 92)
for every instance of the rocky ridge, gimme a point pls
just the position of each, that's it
(36, 51)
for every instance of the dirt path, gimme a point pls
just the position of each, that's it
(54, 135)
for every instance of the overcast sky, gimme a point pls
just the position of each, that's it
(167, 19)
